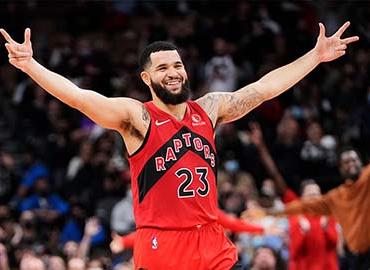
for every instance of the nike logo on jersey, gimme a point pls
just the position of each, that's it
(157, 123)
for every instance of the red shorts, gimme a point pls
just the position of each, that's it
(202, 248)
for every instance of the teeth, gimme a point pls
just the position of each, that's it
(172, 83)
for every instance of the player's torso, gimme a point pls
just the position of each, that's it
(174, 172)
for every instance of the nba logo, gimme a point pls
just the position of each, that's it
(154, 243)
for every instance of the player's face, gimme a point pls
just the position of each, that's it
(350, 165)
(168, 77)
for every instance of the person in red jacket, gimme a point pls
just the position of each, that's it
(313, 239)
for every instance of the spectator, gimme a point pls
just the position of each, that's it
(4, 261)
(122, 217)
(76, 264)
(347, 204)
(35, 169)
(73, 230)
(265, 258)
(318, 154)
(286, 151)
(29, 262)
(46, 205)
(92, 228)
(29, 226)
(220, 70)
(56, 263)
(111, 194)
(312, 239)
(8, 176)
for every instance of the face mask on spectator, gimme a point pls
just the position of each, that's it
(231, 165)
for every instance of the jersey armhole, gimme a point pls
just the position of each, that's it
(146, 135)
(144, 141)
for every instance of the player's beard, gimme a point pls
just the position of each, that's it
(172, 98)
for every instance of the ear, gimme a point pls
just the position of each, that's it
(145, 77)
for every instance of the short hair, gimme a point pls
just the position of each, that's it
(276, 253)
(347, 148)
(144, 58)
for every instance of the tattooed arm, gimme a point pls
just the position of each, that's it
(226, 107)
(106, 112)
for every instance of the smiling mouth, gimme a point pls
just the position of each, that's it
(173, 82)
(173, 85)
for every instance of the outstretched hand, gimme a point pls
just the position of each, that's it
(19, 54)
(92, 226)
(331, 48)
(254, 214)
(116, 245)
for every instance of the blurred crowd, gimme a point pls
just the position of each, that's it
(65, 182)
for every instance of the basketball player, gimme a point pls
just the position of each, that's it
(170, 141)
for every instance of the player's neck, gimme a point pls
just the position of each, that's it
(177, 111)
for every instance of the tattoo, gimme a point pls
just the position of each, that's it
(209, 103)
(224, 107)
(145, 115)
(236, 105)
(132, 130)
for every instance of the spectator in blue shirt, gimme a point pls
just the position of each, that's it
(47, 206)
(34, 169)
(74, 227)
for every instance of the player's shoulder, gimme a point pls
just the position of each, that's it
(135, 109)
(208, 97)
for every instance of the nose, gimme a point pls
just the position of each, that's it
(172, 73)
(351, 162)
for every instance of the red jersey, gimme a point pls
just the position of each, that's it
(174, 172)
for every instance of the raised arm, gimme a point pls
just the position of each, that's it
(91, 228)
(112, 113)
(266, 158)
(318, 206)
(227, 107)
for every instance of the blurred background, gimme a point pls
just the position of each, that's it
(65, 182)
